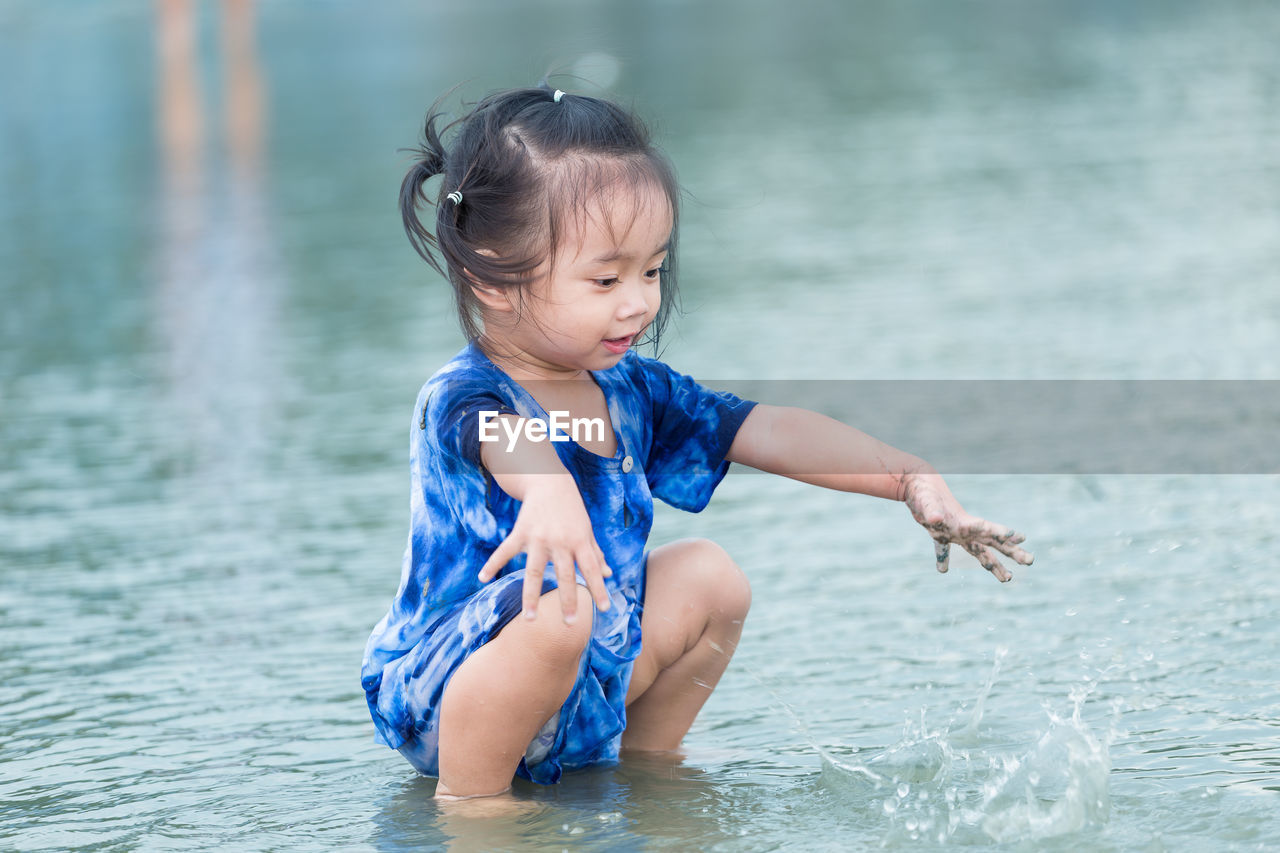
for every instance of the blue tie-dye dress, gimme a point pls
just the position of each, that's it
(672, 436)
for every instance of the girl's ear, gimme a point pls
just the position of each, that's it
(493, 298)
(489, 296)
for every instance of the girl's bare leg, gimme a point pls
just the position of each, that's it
(501, 695)
(696, 599)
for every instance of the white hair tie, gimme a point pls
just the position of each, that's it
(557, 96)
(455, 197)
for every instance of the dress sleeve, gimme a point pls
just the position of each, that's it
(453, 514)
(449, 417)
(693, 428)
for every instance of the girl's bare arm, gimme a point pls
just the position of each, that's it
(814, 448)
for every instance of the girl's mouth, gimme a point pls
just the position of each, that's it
(617, 346)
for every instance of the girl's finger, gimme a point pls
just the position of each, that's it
(567, 582)
(605, 571)
(534, 566)
(942, 551)
(996, 535)
(1001, 538)
(593, 572)
(980, 529)
(503, 554)
(989, 561)
(1010, 550)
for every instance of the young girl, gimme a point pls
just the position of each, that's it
(532, 632)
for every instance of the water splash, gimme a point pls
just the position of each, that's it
(956, 784)
(969, 733)
(1059, 786)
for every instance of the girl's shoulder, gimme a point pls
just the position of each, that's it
(645, 374)
(664, 388)
(466, 380)
(470, 361)
(469, 369)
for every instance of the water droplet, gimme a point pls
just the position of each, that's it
(890, 806)
(1071, 611)
(1033, 777)
(912, 824)
(903, 789)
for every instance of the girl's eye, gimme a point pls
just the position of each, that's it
(607, 282)
(653, 273)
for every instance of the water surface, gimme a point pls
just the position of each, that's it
(213, 332)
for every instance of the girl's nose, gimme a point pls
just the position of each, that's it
(635, 301)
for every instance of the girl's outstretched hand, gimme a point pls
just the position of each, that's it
(553, 525)
(932, 505)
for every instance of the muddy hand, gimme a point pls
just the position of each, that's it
(936, 509)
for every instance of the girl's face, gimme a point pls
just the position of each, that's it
(602, 292)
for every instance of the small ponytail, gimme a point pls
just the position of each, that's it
(430, 161)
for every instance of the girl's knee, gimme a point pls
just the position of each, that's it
(558, 643)
(726, 588)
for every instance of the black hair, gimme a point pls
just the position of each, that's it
(523, 163)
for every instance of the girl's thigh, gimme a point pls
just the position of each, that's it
(500, 697)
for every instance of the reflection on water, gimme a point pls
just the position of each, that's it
(606, 808)
(218, 284)
(212, 333)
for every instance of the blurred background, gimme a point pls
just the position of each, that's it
(212, 331)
